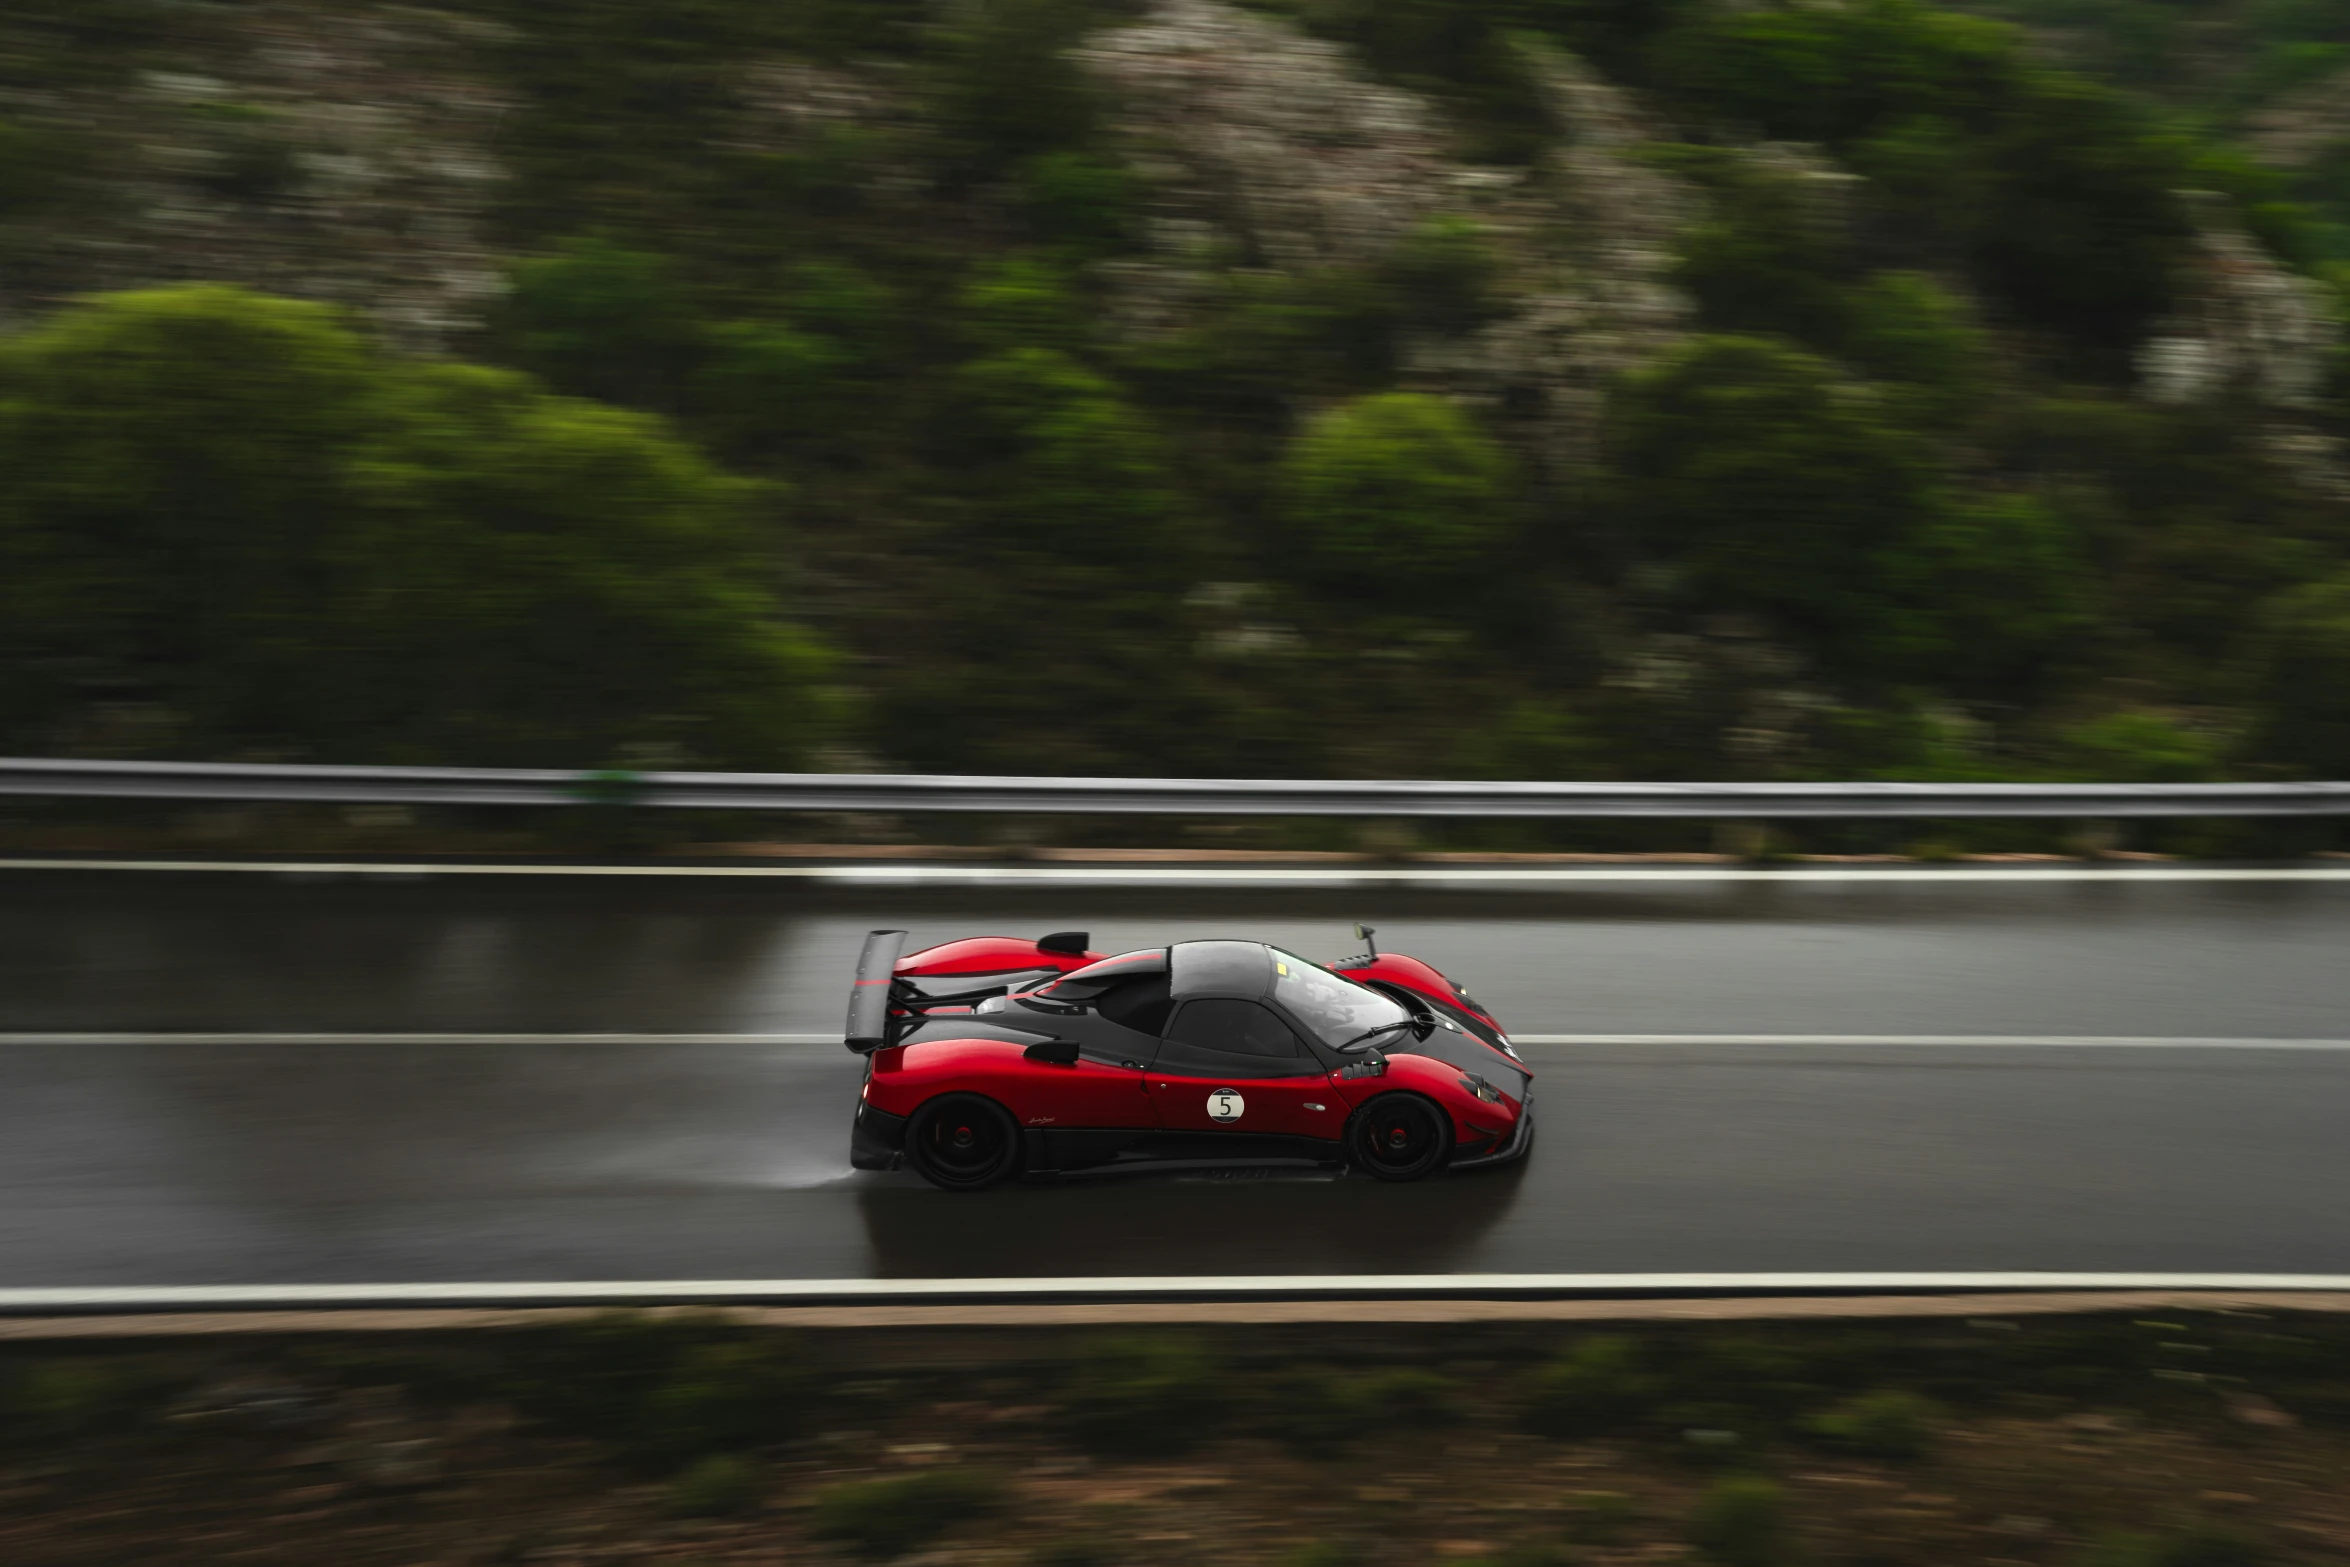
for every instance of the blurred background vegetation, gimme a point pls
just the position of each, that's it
(1506, 388)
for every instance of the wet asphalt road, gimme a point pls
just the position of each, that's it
(251, 1163)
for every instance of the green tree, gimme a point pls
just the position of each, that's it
(1769, 258)
(1771, 484)
(1007, 87)
(1398, 495)
(1445, 276)
(1907, 329)
(540, 576)
(1741, 1521)
(1065, 463)
(2061, 193)
(2306, 680)
(2138, 747)
(172, 464)
(2080, 227)
(600, 320)
(230, 508)
(1982, 592)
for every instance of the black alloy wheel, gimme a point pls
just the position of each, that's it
(963, 1142)
(1400, 1137)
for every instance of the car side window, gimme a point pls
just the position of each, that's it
(1140, 1004)
(1219, 1037)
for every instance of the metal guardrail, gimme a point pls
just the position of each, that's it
(896, 792)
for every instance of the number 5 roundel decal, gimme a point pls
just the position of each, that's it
(1225, 1105)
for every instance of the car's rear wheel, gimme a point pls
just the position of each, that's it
(1399, 1137)
(963, 1142)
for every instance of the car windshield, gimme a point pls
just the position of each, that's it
(1337, 1010)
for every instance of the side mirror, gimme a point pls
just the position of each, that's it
(1057, 1052)
(1363, 934)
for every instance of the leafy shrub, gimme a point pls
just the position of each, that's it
(1445, 275)
(1741, 1522)
(1079, 200)
(1598, 1385)
(1980, 594)
(883, 1518)
(2213, 1545)
(665, 1389)
(1398, 495)
(233, 508)
(2305, 678)
(1776, 485)
(68, 1399)
(1075, 1551)
(252, 157)
(1768, 258)
(2138, 747)
(1069, 465)
(29, 163)
(1006, 85)
(597, 319)
(1324, 1553)
(2201, 1545)
(1143, 1395)
(2061, 193)
(1600, 1517)
(717, 1486)
(1462, 49)
(1905, 328)
(1886, 1424)
(1527, 1553)
(1413, 1398)
(1317, 1410)
(723, 1395)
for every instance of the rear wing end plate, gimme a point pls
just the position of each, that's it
(869, 997)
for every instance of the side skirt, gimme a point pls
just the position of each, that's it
(1073, 1148)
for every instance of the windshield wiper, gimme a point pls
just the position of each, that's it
(1384, 1028)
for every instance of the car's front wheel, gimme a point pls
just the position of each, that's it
(963, 1142)
(1399, 1137)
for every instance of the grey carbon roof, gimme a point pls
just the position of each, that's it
(1221, 968)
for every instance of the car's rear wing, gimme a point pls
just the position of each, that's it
(869, 996)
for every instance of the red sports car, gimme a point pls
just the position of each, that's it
(994, 1056)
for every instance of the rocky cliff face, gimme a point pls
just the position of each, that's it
(338, 154)
(2247, 326)
(1269, 149)
(349, 154)
(1266, 139)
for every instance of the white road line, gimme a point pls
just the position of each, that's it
(1946, 1041)
(1498, 877)
(1763, 1041)
(1246, 1286)
(117, 1037)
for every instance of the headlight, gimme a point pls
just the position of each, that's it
(1482, 1089)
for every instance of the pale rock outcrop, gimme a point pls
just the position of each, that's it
(2245, 326)
(1266, 148)
(340, 154)
(1269, 136)
(2303, 126)
(1597, 227)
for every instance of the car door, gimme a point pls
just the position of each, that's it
(1231, 1066)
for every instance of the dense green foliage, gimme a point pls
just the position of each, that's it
(1398, 496)
(1898, 502)
(227, 516)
